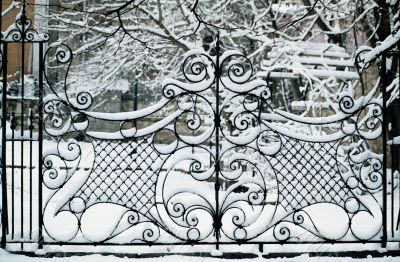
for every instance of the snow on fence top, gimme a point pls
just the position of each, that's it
(373, 53)
(294, 59)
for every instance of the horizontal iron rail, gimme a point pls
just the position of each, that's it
(201, 243)
(207, 243)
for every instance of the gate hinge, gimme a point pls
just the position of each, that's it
(217, 167)
(217, 73)
(217, 223)
(217, 121)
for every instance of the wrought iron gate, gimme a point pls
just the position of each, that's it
(223, 165)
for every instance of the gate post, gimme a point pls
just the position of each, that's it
(4, 213)
(40, 153)
(384, 84)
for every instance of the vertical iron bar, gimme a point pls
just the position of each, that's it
(30, 170)
(1, 17)
(4, 212)
(40, 138)
(135, 99)
(384, 142)
(217, 220)
(398, 175)
(23, 21)
(392, 190)
(135, 107)
(12, 126)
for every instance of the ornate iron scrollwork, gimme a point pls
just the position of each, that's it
(214, 169)
(22, 31)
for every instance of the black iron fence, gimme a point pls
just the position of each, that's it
(223, 166)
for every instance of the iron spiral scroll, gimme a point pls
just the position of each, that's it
(22, 31)
(215, 169)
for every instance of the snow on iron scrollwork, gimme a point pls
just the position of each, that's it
(22, 31)
(162, 181)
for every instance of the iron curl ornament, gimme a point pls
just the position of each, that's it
(214, 168)
(22, 31)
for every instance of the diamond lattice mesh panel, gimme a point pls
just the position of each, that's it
(123, 173)
(307, 173)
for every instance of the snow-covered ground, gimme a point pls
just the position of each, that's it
(7, 257)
